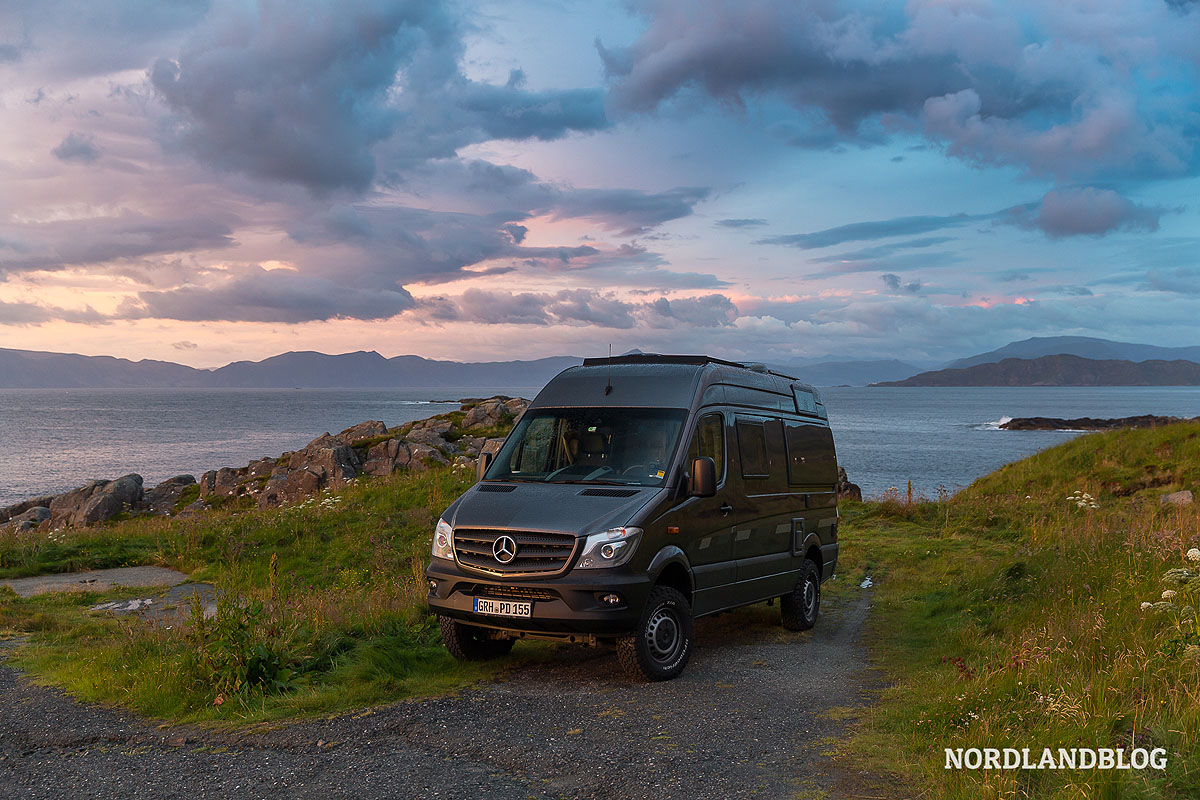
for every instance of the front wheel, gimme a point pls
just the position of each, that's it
(469, 643)
(800, 607)
(662, 645)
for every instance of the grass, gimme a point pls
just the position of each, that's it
(323, 608)
(1012, 617)
(1007, 616)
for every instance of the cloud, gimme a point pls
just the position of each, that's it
(1085, 211)
(1054, 90)
(629, 211)
(23, 313)
(1181, 280)
(326, 95)
(741, 223)
(57, 244)
(184, 345)
(874, 229)
(883, 250)
(260, 295)
(581, 307)
(896, 285)
(77, 147)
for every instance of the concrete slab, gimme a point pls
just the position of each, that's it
(100, 580)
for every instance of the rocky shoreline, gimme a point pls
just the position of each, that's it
(328, 462)
(1090, 423)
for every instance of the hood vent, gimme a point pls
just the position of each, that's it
(496, 487)
(601, 492)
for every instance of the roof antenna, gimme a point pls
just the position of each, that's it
(608, 386)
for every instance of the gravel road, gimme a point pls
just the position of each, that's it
(749, 718)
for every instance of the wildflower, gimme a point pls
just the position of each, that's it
(1146, 605)
(1193, 555)
(1168, 594)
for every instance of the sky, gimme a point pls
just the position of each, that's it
(206, 181)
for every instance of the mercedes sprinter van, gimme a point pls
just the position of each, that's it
(635, 494)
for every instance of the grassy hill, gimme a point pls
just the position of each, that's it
(1009, 615)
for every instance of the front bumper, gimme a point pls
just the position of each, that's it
(563, 605)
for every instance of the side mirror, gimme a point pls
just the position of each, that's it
(485, 461)
(703, 480)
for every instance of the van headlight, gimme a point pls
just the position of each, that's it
(443, 540)
(612, 548)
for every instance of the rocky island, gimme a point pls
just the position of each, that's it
(1089, 423)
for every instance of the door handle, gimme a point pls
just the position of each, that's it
(725, 509)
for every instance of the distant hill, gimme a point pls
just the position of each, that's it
(1062, 370)
(1083, 346)
(27, 369)
(853, 373)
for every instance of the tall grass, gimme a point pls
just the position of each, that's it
(1012, 616)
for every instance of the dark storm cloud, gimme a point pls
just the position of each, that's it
(317, 93)
(55, 245)
(77, 147)
(269, 296)
(875, 229)
(1053, 89)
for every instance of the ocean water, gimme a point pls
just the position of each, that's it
(52, 440)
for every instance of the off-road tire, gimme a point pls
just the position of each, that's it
(664, 640)
(799, 608)
(469, 643)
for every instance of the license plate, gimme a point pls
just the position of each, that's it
(503, 608)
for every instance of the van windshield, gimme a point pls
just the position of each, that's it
(626, 446)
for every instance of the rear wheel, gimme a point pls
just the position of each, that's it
(799, 608)
(662, 645)
(469, 643)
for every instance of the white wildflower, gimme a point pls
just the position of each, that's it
(1168, 594)
(1193, 555)
(1146, 605)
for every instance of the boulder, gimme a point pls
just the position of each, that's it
(426, 436)
(471, 445)
(516, 407)
(484, 415)
(29, 519)
(1183, 498)
(363, 430)
(260, 468)
(845, 489)
(492, 446)
(15, 510)
(162, 498)
(67, 505)
(109, 500)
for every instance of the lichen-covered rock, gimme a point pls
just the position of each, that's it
(64, 507)
(427, 437)
(16, 509)
(484, 415)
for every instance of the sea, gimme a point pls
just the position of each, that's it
(940, 439)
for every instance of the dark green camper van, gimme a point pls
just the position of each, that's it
(635, 494)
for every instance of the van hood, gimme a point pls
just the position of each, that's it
(575, 508)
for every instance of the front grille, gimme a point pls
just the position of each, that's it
(514, 592)
(539, 553)
(608, 492)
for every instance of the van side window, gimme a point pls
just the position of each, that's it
(709, 440)
(805, 402)
(752, 445)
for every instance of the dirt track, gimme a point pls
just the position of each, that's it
(748, 718)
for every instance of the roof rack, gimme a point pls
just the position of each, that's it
(659, 358)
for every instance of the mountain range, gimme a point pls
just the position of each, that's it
(1062, 370)
(368, 369)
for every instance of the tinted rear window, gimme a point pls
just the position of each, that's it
(752, 446)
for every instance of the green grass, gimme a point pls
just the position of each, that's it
(323, 608)
(1006, 616)
(1010, 617)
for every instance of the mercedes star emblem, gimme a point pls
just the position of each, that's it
(505, 549)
